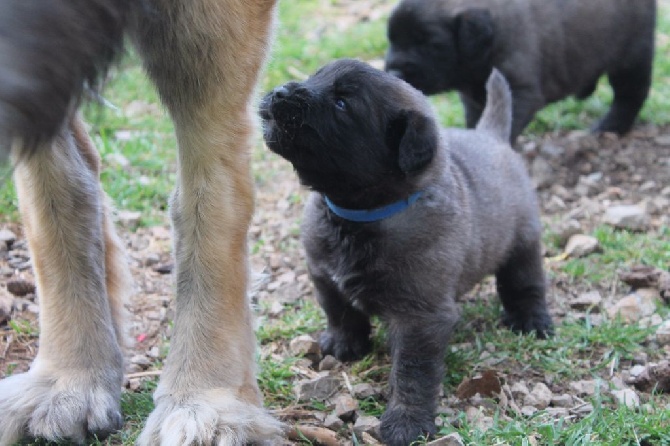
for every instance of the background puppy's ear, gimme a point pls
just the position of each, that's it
(415, 137)
(474, 38)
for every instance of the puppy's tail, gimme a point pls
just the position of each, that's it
(49, 52)
(497, 116)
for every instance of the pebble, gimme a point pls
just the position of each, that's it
(319, 389)
(364, 390)
(345, 407)
(303, 345)
(129, 219)
(539, 397)
(565, 400)
(367, 424)
(328, 362)
(585, 387)
(7, 237)
(663, 333)
(627, 398)
(631, 217)
(542, 173)
(333, 422)
(453, 439)
(581, 245)
(587, 301)
(635, 306)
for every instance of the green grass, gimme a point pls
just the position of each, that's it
(140, 132)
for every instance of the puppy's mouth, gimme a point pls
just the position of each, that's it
(283, 114)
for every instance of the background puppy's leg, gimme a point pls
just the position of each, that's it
(348, 334)
(205, 57)
(631, 87)
(74, 384)
(521, 287)
(418, 351)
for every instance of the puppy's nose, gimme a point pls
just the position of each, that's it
(280, 92)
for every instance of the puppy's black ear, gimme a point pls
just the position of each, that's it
(474, 32)
(415, 138)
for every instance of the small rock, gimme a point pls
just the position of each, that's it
(152, 259)
(453, 439)
(328, 362)
(542, 173)
(303, 345)
(7, 237)
(539, 397)
(20, 287)
(580, 245)
(345, 407)
(654, 377)
(637, 370)
(662, 140)
(585, 387)
(583, 409)
(641, 276)
(587, 301)
(6, 304)
(641, 303)
(520, 390)
(528, 411)
(627, 398)
(364, 390)
(141, 361)
(367, 424)
(129, 219)
(565, 400)
(333, 422)
(478, 418)
(551, 150)
(631, 217)
(663, 333)
(318, 389)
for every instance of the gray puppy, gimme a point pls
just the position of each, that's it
(546, 49)
(404, 218)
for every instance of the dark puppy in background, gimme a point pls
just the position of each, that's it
(546, 49)
(403, 219)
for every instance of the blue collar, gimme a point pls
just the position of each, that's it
(371, 215)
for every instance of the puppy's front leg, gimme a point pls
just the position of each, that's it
(418, 344)
(348, 334)
(526, 101)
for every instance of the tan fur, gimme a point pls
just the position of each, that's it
(208, 392)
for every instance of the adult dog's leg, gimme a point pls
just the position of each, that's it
(205, 57)
(74, 384)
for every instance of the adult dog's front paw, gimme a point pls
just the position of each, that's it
(401, 426)
(210, 418)
(60, 405)
(344, 346)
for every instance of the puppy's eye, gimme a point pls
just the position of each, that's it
(340, 104)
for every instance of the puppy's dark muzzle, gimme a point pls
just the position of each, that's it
(285, 107)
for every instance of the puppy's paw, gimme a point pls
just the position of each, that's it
(401, 426)
(538, 322)
(59, 405)
(211, 417)
(344, 346)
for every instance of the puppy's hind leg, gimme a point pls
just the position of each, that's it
(631, 87)
(205, 57)
(74, 385)
(521, 287)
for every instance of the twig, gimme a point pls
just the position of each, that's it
(347, 383)
(144, 374)
(312, 433)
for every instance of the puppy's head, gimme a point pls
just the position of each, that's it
(351, 131)
(436, 47)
